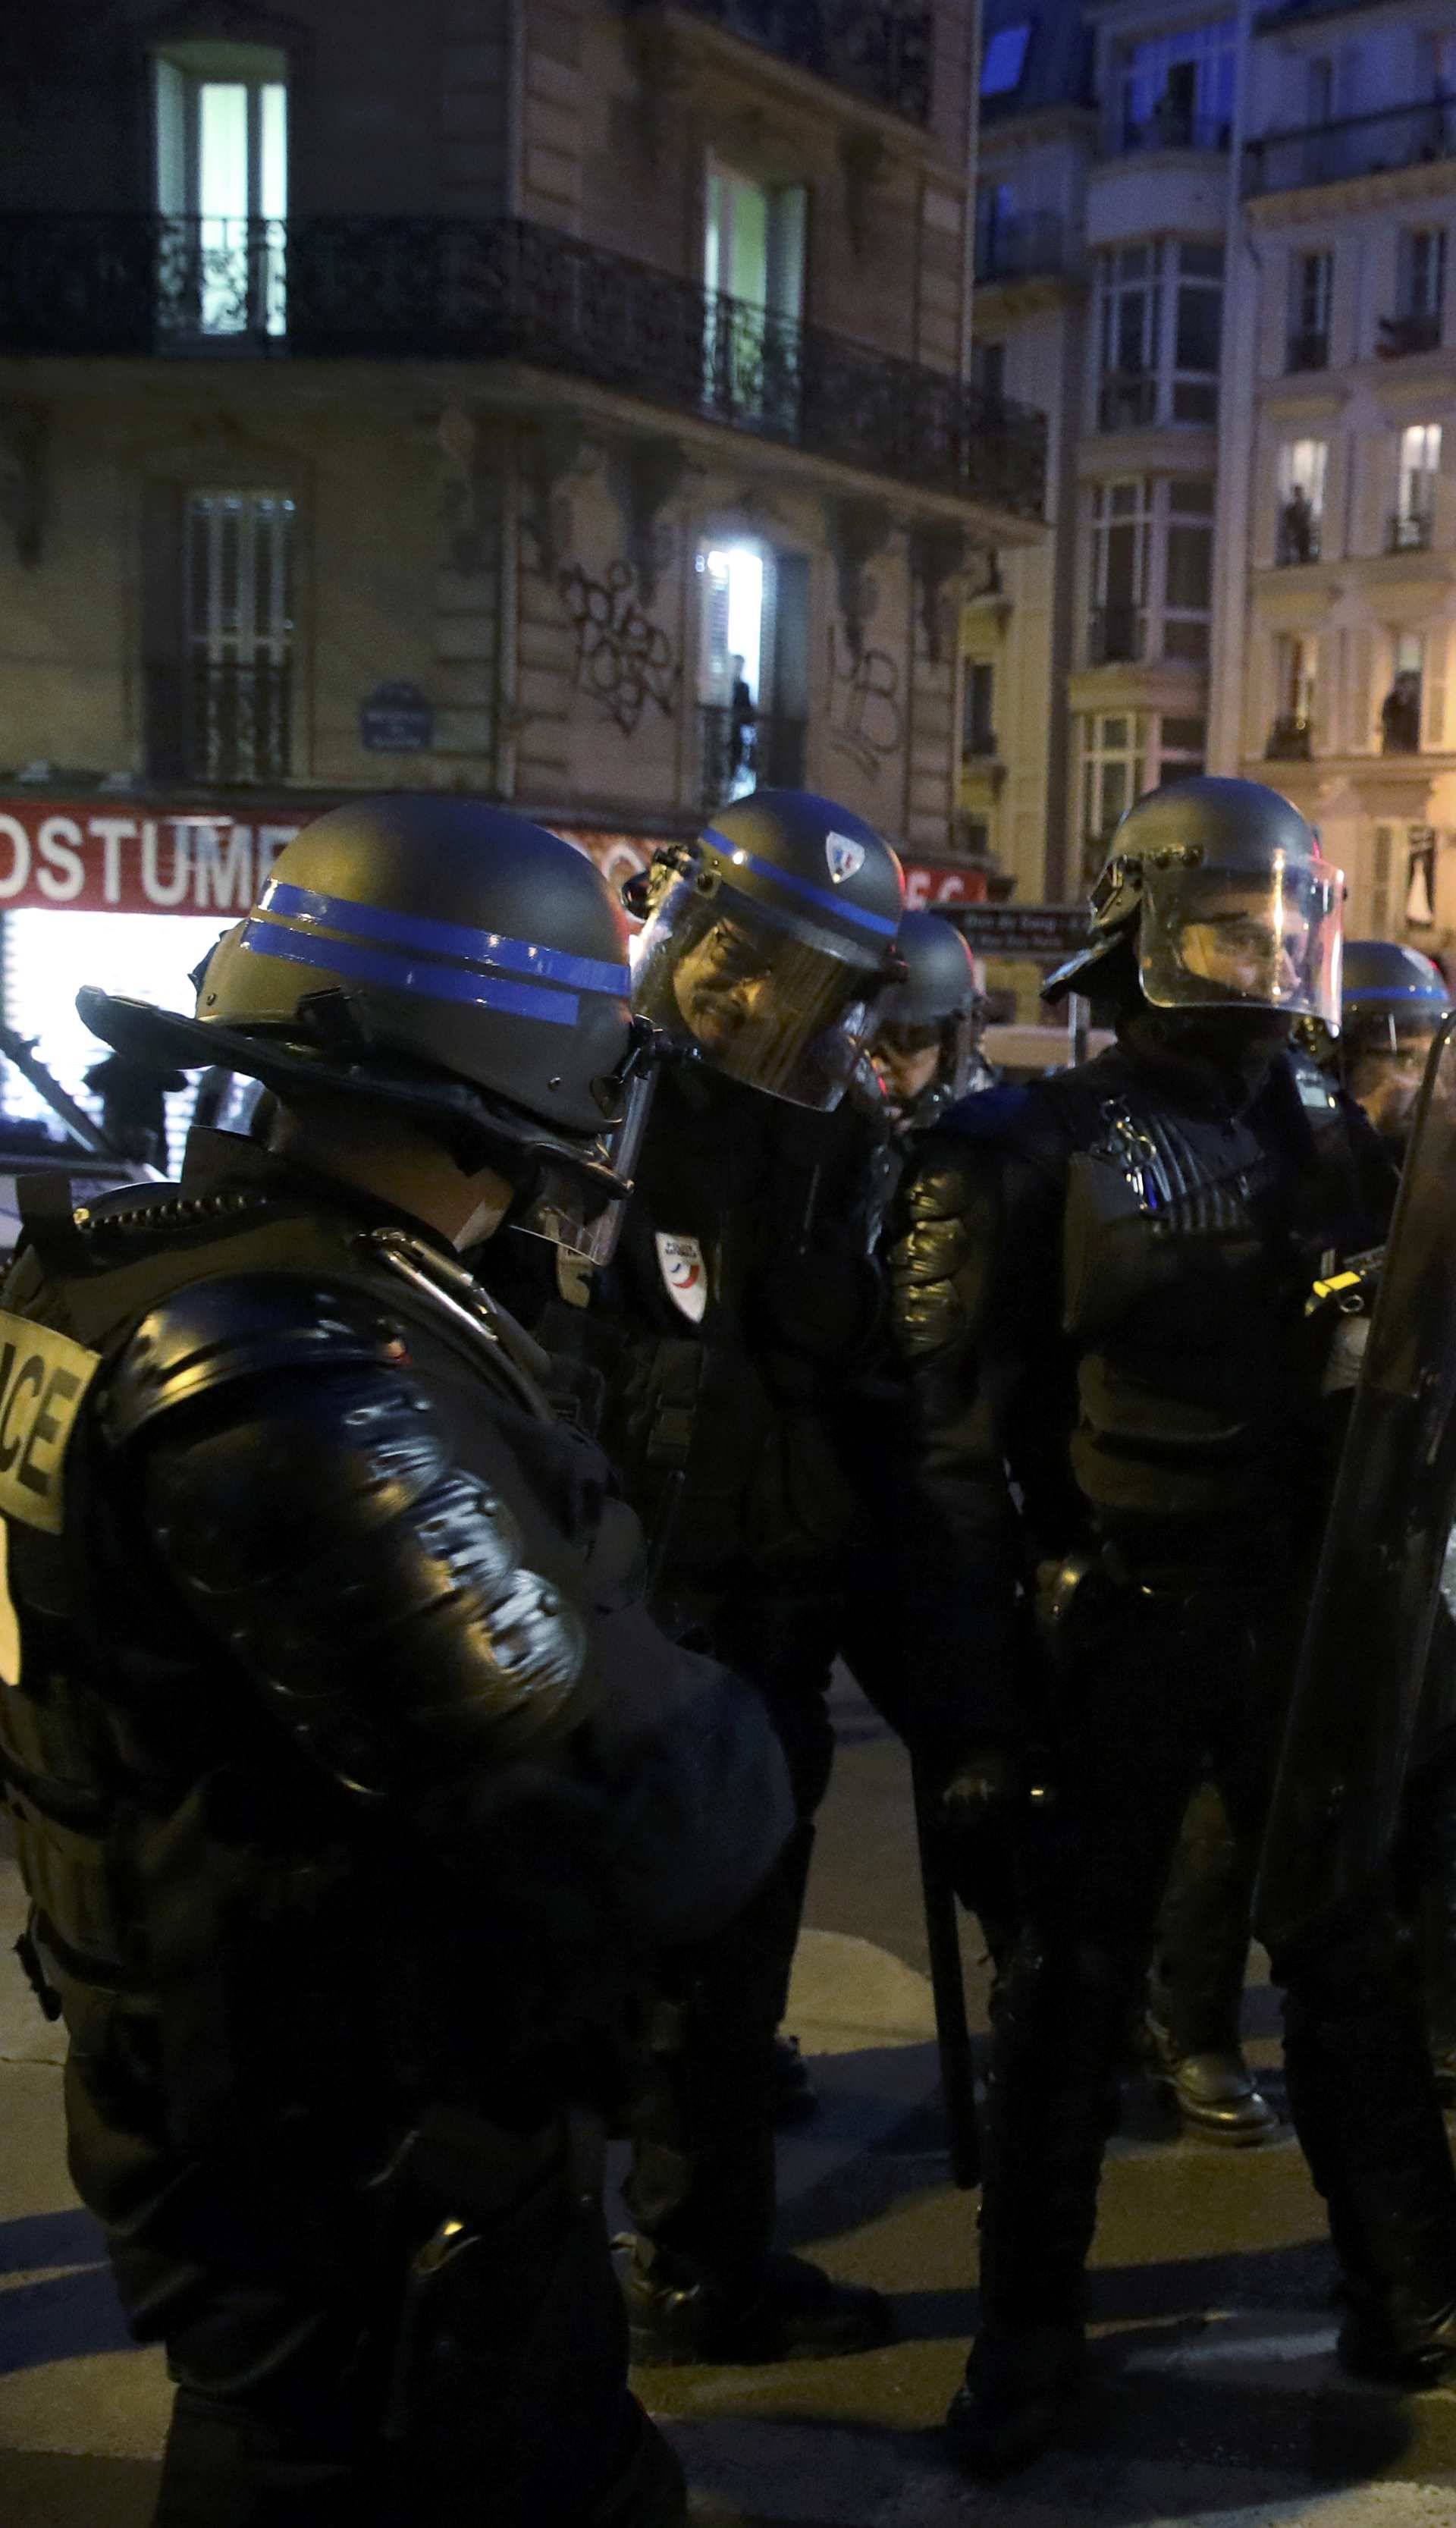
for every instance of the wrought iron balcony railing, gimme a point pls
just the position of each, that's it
(1027, 246)
(1401, 336)
(1289, 739)
(1171, 125)
(496, 290)
(736, 756)
(209, 720)
(1361, 144)
(1127, 402)
(1409, 531)
(1308, 351)
(1114, 635)
(879, 51)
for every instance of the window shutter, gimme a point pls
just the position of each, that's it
(1362, 705)
(1434, 687)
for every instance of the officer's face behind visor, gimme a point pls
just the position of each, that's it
(908, 1059)
(759, 1003)
(1272, 941)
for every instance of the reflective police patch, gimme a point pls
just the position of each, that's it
(43, 1383)
(844, 855)
(9, 1623)
(684, 1272)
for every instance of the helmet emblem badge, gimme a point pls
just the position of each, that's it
(844, 856)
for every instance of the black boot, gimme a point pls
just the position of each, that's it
(1362, 2099)
(1192, 2032)
(784, 2310)
(1214, 2093)
(1019, 2387)
(1060, 2017)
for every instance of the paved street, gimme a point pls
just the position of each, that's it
(1216, 2404)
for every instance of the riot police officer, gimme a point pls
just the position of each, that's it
(927, 1039)
(743, 1292)
(351, 1776)
(1104, 1282)
(1392, 1001)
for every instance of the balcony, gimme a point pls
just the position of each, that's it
(736, 756)
(1307, 351)
(1126, 402)
(1362, 145)
(218, 720)
(881, 54)
(1029, 245)
(503, 290)
(1297, 538)
(1114, 635)
(1289, 739)
(1401, 336)
(1409, 531)
(1171, 125)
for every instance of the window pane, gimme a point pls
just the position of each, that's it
(1191, 496)
(1114, 732)
(1189, 565)
(1184, 736)
(1201, 261)
(1005, 58)
(1125, 500)
(1200, 313)
(273, 190)
(222, 144)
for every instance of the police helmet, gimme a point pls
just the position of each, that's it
(440, 957)
(768, 940)
(1220, 888)
(939, 1004)
(1391, 992)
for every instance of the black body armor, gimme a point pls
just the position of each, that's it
(351, 1782)
(722, 1414)
(1101, 1281)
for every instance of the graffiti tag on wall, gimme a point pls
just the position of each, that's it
(866, 718)
(623, 659)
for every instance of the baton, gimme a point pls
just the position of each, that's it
(947, 1984)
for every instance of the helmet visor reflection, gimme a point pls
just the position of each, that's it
(718, 975)
(1253, 939)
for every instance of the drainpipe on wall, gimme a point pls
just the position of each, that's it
(1238, 424)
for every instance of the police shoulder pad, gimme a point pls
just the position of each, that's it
(237, 1325)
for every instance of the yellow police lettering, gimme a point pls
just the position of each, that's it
(43, 1381)
(30, 1376)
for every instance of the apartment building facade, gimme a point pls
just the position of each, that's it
(1216, 249)
(1346, 691)
(561, 401)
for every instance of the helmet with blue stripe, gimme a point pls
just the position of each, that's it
(1385, 980)
(767, 941)
(435, 955)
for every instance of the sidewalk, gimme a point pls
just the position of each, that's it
(1217, 2404)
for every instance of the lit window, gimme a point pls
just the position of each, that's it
(1005, 58)
(220, 133)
